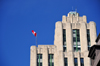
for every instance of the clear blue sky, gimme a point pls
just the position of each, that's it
(19, 17)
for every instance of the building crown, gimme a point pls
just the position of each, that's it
(73, 17)
(73, 13)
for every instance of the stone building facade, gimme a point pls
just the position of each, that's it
(72, 40)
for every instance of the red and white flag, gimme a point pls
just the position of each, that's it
(34, 33)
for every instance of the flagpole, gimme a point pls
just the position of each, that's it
(36, 41)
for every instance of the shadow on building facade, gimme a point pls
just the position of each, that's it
(94, 53)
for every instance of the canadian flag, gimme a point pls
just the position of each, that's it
(34, 33)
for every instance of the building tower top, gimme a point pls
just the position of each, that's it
(73, 17)
(73, 13)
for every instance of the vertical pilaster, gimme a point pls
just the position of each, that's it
(71, 18)
(84, 19)
(33, 56)
(77, 18)
(45, 56)
(61, 58)
(79, 63)
(64, 19)
(83, 37)
(69, 38)
(59, 36)
(93, 34)
(70, 59)
(56, 58)
(87, 61)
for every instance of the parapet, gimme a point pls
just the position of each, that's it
(73, 17)
(41, 48)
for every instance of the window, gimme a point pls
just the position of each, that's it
(64, 49)
(77, 49)
(76, 40)
(88, 39)
(65, 62)
(39, 59)
(75, 62)
(82, 61)
(64, 35)
(64, 40)
(50, 60)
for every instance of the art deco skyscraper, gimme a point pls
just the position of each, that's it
(72, 40)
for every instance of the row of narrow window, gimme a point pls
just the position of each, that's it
(51, 60)
(76, 40)
(75, 62)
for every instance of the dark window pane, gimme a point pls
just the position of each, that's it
(74, 39)
(88, 35)
(78, 39)
(37, 59)
(78, 35)
(64, 40)
(37, 64)
(64, 49)
(74, 48)
(40, 64)
(75, 62)
(51, 56)
(49, 59)
(65, 62)
(64, 35)
(37, 56)
(52, 64)
(88, 38)
(40, 56)
(64, 31)
(78, 30)
(88, 48)
(79, 48)
(82, 61)
(88, 31)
